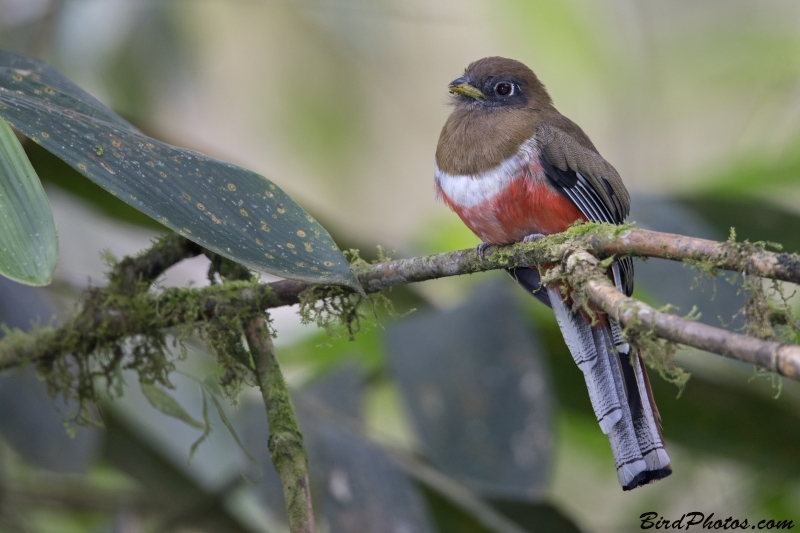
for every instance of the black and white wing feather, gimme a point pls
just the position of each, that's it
(591, 184)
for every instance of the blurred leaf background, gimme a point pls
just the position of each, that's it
(340, 102)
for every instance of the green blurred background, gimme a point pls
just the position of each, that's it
(340, 102)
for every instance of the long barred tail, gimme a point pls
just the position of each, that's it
(618, 386)
(620, 395)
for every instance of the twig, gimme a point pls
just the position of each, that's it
(98, 322)
(582, 271)
(425, 474)
(147, 267)
(724, 255)
(285, 439)
(455, 493)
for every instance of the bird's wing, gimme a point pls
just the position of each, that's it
(589, 182)
(576, 170)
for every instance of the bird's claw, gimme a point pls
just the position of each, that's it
(534, 237)
(482, 248)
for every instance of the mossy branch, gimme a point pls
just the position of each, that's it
(581, 269)
(106, 318)
(285, 440)
(128, 275)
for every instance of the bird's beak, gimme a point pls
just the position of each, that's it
(462, 86)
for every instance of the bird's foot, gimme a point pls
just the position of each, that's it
(482, 248)
(534, 237)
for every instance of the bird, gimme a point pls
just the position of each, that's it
(513, 168)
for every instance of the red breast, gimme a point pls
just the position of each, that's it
(521, 208)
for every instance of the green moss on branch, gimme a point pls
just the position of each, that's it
(112, 319)
(285, 440)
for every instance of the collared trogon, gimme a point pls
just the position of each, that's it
(514, 168)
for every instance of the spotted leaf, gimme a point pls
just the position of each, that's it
(228, 209)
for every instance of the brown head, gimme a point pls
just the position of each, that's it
(494, 82)
(498, 104)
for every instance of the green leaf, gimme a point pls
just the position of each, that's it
(167, 405)
(28, 240)
(206, 429)
(212, 386)
(228, 209)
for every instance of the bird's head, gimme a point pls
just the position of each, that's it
(494, 82)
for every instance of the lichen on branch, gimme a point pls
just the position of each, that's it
(339, 311)
(126, 318)
(128, 326)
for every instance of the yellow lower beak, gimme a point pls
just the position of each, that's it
(466, 89)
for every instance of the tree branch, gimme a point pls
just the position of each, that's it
(105, 318)
(583, 273)
(285, 440)
(167, 251)
(735, 256)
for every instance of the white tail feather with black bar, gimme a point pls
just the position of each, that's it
(645, 417)
(618, 392)
(578, 336)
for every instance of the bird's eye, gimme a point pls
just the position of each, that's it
(504, 89)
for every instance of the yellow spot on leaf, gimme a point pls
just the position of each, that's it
(201, 207)
(243, 212)
(258, 242)
(117, 143)
(231, 187)
(289, 245)
(186, 196)
(264, 226)
(48, 90)
(301, 233)
(17, 77)
(187, 230)
(328, 264)
(45, 135)
(81, 166)
(99, 150)
(132, 197)
(308, 247)
(269, 256)
(163, 174)
(272, 186)
(281, 210)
